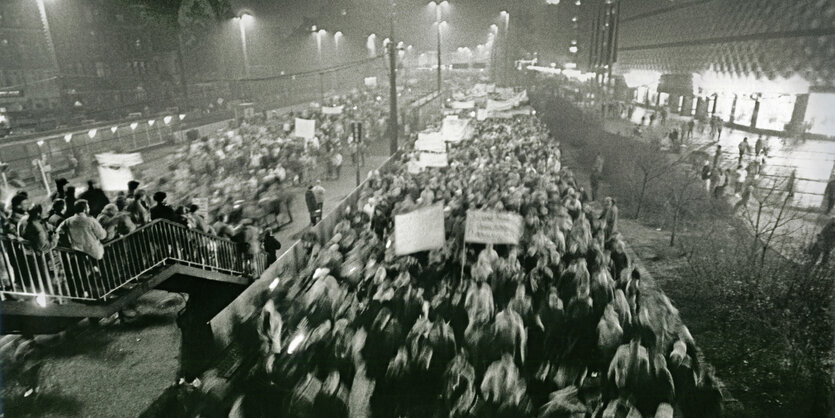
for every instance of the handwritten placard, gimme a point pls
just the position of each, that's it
(419, 230)
(493, 227)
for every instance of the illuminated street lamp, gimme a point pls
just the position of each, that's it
(438, 23)
(244, 20)
(68, 137)
(92, 133)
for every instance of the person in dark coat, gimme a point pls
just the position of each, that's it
(162, 210)
(271, 246)
(59, 188)
(95, 197)
(312, 205)
(69, 199)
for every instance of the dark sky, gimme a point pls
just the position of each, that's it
(469, 20)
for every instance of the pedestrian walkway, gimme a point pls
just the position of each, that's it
(799, 221)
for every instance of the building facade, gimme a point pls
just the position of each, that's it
(760, 64)
(67, 61)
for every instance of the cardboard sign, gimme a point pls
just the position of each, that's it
(332, 110)
(430, 142)
(305, 128)
(433, 159)
(202, 207)
(462, 104)
(114, 178)
(493, 227)
(419, 230)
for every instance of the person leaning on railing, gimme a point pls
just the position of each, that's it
(84, 234)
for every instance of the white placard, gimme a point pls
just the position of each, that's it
(433, 159)
(370, 81)
(469, 104)
(114, 178)
(419, 230)
(493, 227)
(305, 128)
(431, 142)
(332, 110)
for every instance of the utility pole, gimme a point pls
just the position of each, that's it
(438, 21)
(392, 46)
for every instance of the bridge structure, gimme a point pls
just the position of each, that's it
(45, 292)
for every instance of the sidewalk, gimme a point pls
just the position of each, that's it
(797, 225)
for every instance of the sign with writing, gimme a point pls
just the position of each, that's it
(202, 207)
(305, 128)
(431, 142)
(492, 227)
(332, 110)
(419, 230)
(433, 159)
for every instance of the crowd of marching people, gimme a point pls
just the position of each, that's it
(246, 175)
(560, 324)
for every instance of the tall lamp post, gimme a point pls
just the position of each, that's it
(438, 22)
(243, 19)
(392, 51)
(506, 16)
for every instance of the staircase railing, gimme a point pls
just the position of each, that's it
(63, 274)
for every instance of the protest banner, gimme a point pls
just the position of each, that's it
(114, 170)
(432, 159)
(454, 129)
(419, 230)
(430, 142)
(332, 110)
(493, 227)
(469, 104)
(305, 128)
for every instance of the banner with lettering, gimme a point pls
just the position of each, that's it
(430, 142)
(419, 230)
(493, 227)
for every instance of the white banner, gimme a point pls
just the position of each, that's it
(370, 81)
(462, 104)
(482, 114)
(305, 128)
(114, 178)
(433, 159)
(332, 110)
(430, 141)
(124, 160)
(455, 129)
(419, 230)
(492, 227)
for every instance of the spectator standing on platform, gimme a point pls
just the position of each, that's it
(651, 119)
(719, 125)
(759, 146)
(95, 197)
(162, 210)
(56, 213)
(36, 234)
(84, 233)
(690, 125)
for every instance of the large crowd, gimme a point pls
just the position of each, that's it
(559, 325)
(246, 175)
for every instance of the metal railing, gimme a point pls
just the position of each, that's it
(63, 274)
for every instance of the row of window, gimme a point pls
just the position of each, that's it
(101, 69)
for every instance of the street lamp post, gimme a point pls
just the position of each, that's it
(242, 19)
(506, 17)
(392, 51)
(438, 14)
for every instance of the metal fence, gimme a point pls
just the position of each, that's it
(63, 274)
